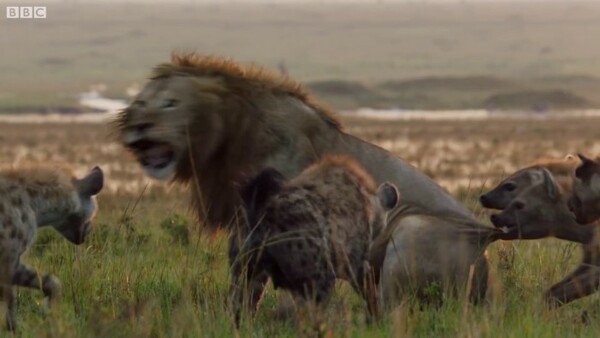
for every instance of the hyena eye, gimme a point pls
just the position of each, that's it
(519, 205)
(169, 103)
(510, 186)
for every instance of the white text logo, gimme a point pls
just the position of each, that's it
(25, 12)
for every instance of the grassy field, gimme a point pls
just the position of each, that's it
(426, 56)
(147, 271)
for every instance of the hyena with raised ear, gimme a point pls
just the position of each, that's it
(306, 232)
(585, 199)
(540, 211)
(36, 196)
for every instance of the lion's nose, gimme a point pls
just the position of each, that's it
(143, 126)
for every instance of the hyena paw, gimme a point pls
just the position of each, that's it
(10, 323)
(51, 288)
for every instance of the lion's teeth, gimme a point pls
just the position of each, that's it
(504, 229)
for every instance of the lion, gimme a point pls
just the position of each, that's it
(210, 122)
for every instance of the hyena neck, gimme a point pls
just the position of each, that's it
(49, 212)
(47, 193)
(568, 229)
(575, 232)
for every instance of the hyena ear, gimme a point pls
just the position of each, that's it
(586, 169)
(256, 191)
(91, 184)
(550, 185)
(388, 195)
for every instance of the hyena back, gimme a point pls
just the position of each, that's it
(37, 196)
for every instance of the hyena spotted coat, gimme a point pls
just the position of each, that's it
(35, 196)
(306, 232)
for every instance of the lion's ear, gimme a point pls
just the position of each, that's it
(258, 190)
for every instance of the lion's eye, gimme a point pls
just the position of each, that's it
(169, 103)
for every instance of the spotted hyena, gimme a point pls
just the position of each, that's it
(540, 211)
(585, 199)
(306, 232)
(562, 169)
(37, 196)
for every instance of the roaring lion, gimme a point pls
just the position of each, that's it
(211, 122)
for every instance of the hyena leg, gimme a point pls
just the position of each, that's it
(248, 278)
(246, 292)
(311, 299)
(365, 284)
(248, 281)
(9, 297)
(29, 277)
(584, 281)
(7, 290)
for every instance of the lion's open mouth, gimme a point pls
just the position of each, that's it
(153, 154)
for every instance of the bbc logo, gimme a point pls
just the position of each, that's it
(25, 12)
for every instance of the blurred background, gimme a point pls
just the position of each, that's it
(458, 63)
(409, 54)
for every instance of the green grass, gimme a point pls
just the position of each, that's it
(146, 272)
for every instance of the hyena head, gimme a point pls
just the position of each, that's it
(500, 197)
(76, 223)
(584, 202)
(258, 190)
(537, 212)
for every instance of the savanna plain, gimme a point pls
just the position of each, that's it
(147, 270)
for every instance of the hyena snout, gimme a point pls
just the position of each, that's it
(502, 220)
(78, 234)
(484, 199)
